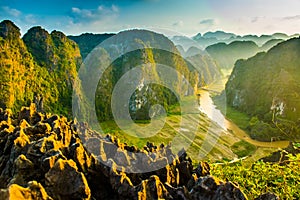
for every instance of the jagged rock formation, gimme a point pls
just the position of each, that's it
(43, 157)
(267, 196)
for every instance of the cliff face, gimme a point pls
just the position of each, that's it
(17, 67)
(40, 67)
(43, 157)
(266, 86)
(61, 58)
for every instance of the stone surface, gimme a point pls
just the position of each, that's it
(43, 157)
(34, 191)
(267, 196)
(64, 181)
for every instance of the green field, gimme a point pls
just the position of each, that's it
(227, 147)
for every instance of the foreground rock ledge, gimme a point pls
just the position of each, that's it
(43, 157)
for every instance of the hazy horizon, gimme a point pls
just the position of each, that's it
(189, 18)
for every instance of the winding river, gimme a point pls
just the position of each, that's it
(207, 106)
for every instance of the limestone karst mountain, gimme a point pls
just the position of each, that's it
(38, 67)
(266, 87)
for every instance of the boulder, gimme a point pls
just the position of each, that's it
(267, 196)
(210, 188)
(63, 181)
(152, 189)
(34, 191)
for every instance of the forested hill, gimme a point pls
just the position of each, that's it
(40, 66)
(144, 48)
(267, 87)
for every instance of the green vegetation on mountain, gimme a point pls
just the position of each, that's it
(61, 58)
(227, 54)
(220, 35)
(266, 87)
(208, 67)
(41, 67)
(21, 77)
(88, 41)
(152, 50)
(269, 44)
(16, 67)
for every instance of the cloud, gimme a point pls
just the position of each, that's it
(11, 12)
(295, 17)
(256, 19)
(93, 15)
(31, 19)
(208, 22)
(114, 8)
(178, 24)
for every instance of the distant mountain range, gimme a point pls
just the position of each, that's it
(224, 48)
(227, 48)
(211, 38)
(209, 68)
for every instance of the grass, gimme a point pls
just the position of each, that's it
(172, 127)
(239, 118)
(228, 147)
(260, 177)
(110, 127)
(243, 148)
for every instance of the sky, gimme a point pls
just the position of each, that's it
(187, 17)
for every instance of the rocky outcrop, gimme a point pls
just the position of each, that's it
(34, 191)
(45, 156)
(267, 196)
(9, 30)
(60, 188)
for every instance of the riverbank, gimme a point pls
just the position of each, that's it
(235, 122)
